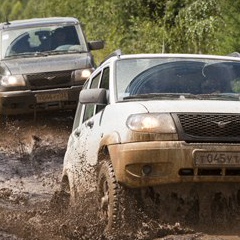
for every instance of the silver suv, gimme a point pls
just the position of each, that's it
(148, 120)
(43, 64)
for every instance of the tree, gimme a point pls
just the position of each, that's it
(229, 32)
(196, 27)
(184, 26)
(16, 10)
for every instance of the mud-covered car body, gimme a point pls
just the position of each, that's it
(37, 71)
(172, 132)
(152, 119)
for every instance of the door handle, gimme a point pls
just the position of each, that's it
(90, 123)
(77, 133)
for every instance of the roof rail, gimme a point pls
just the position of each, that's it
(117, 53)
(234, 54)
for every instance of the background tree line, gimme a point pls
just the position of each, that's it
(167, 26)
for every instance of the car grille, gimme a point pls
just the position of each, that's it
(49, 80)
(209, 127)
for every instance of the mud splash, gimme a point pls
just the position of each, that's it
(31, 158)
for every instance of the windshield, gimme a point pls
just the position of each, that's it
(177, 77)
(50, 39)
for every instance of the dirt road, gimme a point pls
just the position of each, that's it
(31, 157)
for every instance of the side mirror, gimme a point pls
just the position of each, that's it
(96, 45)
(93, 96)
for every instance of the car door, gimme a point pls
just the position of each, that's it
(87, 136)
(95, 132)
(72, 147)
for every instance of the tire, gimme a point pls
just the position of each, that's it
(108, 199)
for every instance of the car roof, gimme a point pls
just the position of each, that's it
(118, 56)
(37, 22)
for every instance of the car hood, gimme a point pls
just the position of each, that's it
(48, 63)
(202, 106)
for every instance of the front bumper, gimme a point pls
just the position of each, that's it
(172, 162)
(18, 102)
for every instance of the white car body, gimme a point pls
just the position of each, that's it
(141, 136)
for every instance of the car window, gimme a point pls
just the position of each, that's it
(176, 76)
(79, 110)
(29, 41)
(89, 108)
(105, 79)
(104, 84)
(101, 81)
(173, 77)
(95, 81)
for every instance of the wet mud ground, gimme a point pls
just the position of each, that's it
(31, 158)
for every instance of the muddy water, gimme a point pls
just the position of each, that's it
(31, 157)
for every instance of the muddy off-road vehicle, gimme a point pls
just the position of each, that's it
(153, 122)
(43, 64)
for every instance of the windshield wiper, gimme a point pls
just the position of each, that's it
(25, 54)
(180, 96)
(220, 96)
(161, 95)
(65, 51)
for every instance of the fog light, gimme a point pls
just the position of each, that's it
(186, 172)
(146, 169)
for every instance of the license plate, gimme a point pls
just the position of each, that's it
(52, 97)
(205, 158)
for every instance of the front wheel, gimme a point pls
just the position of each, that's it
(119, 206)
(108, 190)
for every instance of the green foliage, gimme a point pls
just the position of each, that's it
(16, 10)
(5, 9)
(228, 35)
(197, 25)
(185, 26)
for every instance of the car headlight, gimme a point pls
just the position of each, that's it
(13, 81)
(82, 75)
(151, 123)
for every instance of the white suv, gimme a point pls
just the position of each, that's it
(148, 120)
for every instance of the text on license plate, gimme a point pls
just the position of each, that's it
(52, 97)
(216, 158)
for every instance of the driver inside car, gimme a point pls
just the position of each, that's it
(58, 38)
(216, 80)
